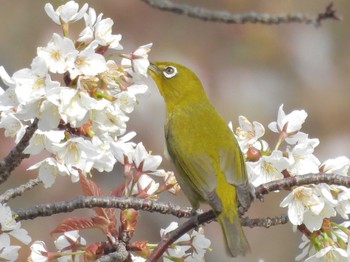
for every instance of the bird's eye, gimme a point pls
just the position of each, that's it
(169, 71)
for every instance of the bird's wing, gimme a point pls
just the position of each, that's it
(198, 173)
(204, 174)
(236, 174)
(232, 163)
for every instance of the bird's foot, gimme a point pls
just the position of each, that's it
(246, 195)
(252, 192)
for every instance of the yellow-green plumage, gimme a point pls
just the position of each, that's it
(206, 155)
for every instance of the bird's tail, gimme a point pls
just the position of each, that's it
(236, 241)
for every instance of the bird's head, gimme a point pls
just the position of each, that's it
(176, 83)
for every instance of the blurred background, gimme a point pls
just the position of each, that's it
(247, 70)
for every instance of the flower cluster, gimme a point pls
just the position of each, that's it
(68, 246)
(10, 229)
(309, 207)
(81, 119)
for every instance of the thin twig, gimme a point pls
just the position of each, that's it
(289, 182)
(329, 13)
(49, 209)
(18, 191)
(231, 18)
(15, 157)
(266, 222)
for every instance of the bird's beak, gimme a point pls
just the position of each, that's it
(153, 69)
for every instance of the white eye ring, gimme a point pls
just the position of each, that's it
(170, 71)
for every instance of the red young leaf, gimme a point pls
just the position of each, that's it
(128, 220)
(93, 251)
(106, 225)
(89, 187)
(110, 213)
(74, 223)
(118, 191)
(140, 247)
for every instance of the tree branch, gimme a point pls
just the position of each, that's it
(289, 182)
(264, 222)
(231, 18)
(15, 157)
(14, 192)
(150, 205)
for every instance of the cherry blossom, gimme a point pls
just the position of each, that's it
(288, 126)
(69, 12)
